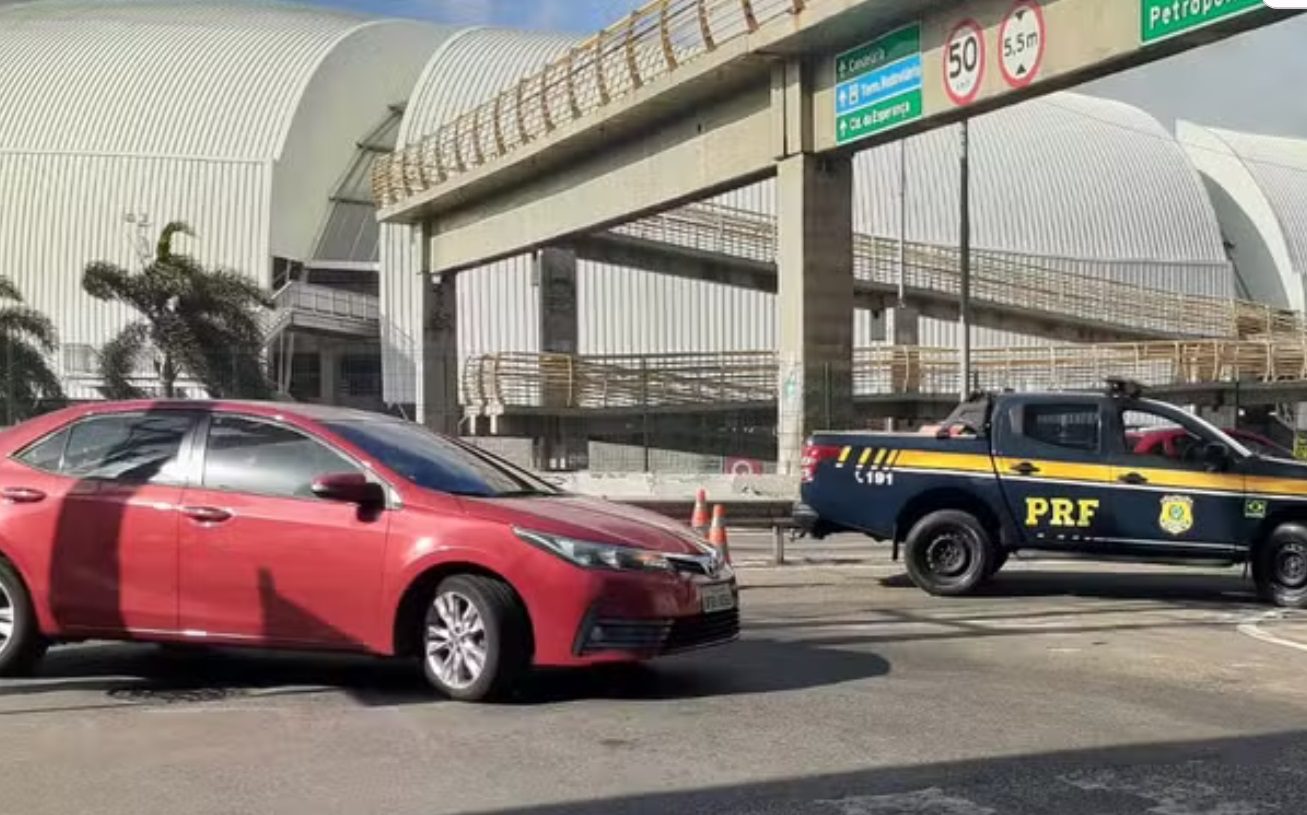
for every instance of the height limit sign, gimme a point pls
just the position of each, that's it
(964, 62)
(1022, 39)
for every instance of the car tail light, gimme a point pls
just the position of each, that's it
(813, 456)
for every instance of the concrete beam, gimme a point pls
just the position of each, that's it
(732, 270)
(685, 157)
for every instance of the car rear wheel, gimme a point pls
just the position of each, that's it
(21, 643)
(949, 553)
(477, 638)
(1280, 567)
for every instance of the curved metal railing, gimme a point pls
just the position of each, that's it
(496, 383)
(1006, 279)
(652, 42)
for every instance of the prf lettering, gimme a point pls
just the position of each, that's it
(1062, 512)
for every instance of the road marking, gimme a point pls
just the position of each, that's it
(1252, 628)
(933, 801)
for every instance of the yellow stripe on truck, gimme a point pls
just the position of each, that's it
(931, 460)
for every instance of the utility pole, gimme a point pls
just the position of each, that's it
(903, 228)
(964, 293)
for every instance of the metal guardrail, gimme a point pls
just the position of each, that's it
(495, 383)
(1007, 279)
(323, 305)
(652, 42)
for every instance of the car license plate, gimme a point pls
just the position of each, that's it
(718, 597)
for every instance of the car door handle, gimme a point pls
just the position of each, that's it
(207, 515)
(1024, 468)
(1132, 478)
(22, 495)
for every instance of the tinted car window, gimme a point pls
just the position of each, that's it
(437, 463)
(137, 448)
(1072, 427)
(46, 454)
(244, 455)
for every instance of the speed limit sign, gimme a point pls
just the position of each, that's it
(964, 62)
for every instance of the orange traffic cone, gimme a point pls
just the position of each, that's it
(699, 518)
(717, 534)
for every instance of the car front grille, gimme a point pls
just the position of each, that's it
(661, 636)
(705, 629)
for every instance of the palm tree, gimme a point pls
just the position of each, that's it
(199, 322)
(27, 338)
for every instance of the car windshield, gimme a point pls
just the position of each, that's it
(438, 463)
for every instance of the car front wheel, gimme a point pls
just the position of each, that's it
(949, 553)
(1280, 567)
(476, 638)
(21, 643)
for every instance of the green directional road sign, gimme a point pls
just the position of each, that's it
(880, 116)
(866, 58)
(879, 85)
(1167, 18)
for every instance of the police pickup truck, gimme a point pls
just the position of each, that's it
(1062, 473)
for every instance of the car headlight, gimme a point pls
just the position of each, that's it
(597, 555)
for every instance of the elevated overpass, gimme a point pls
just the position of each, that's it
(1009, 290)
(687, 98)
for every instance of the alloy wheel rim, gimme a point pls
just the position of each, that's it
(456, 640)
(1291, 565)
(6, 619)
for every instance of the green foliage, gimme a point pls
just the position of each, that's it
(198, 322)
(27, 338)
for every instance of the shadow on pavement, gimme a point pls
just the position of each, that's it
(1246, 775)
(186, 674)
(1193, 587)
(165, 674)
(750, 666)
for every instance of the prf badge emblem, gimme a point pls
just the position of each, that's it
(1255, 508)
(1177, 514)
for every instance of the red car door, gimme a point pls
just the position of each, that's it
(262, 559)
(95, 509)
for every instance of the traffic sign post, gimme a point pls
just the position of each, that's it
(880, 84)
(1162, 19)
(1022, 41)
(964, 62)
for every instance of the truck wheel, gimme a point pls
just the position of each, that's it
(1280, 567)
(949, 553)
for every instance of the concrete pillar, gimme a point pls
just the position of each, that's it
(814, 300)
(556, 273)
(328, 373)
(907, 326)
(439, 369)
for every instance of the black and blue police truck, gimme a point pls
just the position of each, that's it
(1110, 474)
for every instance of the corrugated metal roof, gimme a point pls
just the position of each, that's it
(159, 77)
(497, 305)
(1279, 166)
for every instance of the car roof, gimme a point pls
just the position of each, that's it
(299, 410)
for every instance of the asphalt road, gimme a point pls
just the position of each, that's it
(1077, 690)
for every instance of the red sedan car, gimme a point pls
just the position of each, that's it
(285, 526)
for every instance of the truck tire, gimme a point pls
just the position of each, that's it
(949, 553)
(1280, 566)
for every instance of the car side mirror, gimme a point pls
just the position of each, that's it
(1216, 457)
(350, 488)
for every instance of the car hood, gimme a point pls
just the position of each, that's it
(589, 519)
